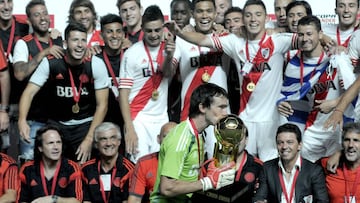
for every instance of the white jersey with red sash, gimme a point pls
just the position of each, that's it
(199, 65)
(144, 79)
(339, 36)
(260, 64)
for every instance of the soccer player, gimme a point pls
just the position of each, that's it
(259, 60)
(11, 29)
(112, 53)
(347, 11)
(130, 12)
(106, 178)
(143, 86)
(199, 64)
(182, 151)
(28, 53)
(311, 89)
(83, 11)
(78, 94)
(248, 169)
(221, 7)
(290, 177)
(50, 177)
(342, 185)
(280, 14)
(180, 12)
(143, 178)
(294, 12)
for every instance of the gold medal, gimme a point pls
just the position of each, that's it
(155, 95)
(205, 77)
(251, 86)
(75, 108)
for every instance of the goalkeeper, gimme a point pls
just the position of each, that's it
(182, 151)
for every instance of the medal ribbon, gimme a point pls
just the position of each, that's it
(156, 78)
(143, 96)
(73, 88)
(346, 42)
(355, 184)
(258, 53)
(38, 44)
(195, 82)
(282, 183)
(109, 67)
(241, 167)
(102, 190)
(197, 140)
(54, 181)
(302, 67)
(11, 38)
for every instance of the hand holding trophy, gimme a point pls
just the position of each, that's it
(229, 131)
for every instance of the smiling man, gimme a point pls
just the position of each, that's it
(347, 11)
(83, 11)
(106, 177)
(130, 12)
(144, 87)
(338, 183)
(299, 179)
(79, 86)
(50, 170)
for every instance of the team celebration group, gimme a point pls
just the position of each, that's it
(126, 108)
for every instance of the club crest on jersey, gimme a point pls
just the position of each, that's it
(265, 53)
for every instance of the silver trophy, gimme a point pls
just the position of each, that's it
(229, 131)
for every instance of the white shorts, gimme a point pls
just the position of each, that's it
(261, 140)
(147, 129)
(318, 143)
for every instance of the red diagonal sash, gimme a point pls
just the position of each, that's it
(144, 95)
(194, 84)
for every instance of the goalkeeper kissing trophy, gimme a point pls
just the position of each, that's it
(229, 131)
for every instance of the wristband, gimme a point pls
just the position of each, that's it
(339, 111)
(54, 198)
(4, 108)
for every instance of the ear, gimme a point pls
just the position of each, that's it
(300, 146)
(202, 108)
(158, 138)
(40, 149)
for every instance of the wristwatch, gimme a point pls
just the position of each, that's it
(54, 198)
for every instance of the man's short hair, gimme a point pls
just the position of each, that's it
(351, 128)
(152, 13)
(105, 126)
(39, 139)
(310, 20)
(84, 3)
(204, 94)
(121, 2)
(305, 4)
(31, 4)
(233, 9)
(74, 26)
(255, 2)
(194, 2)
(289, 128)
(110, 18)
(358, 3)
(187, 2)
